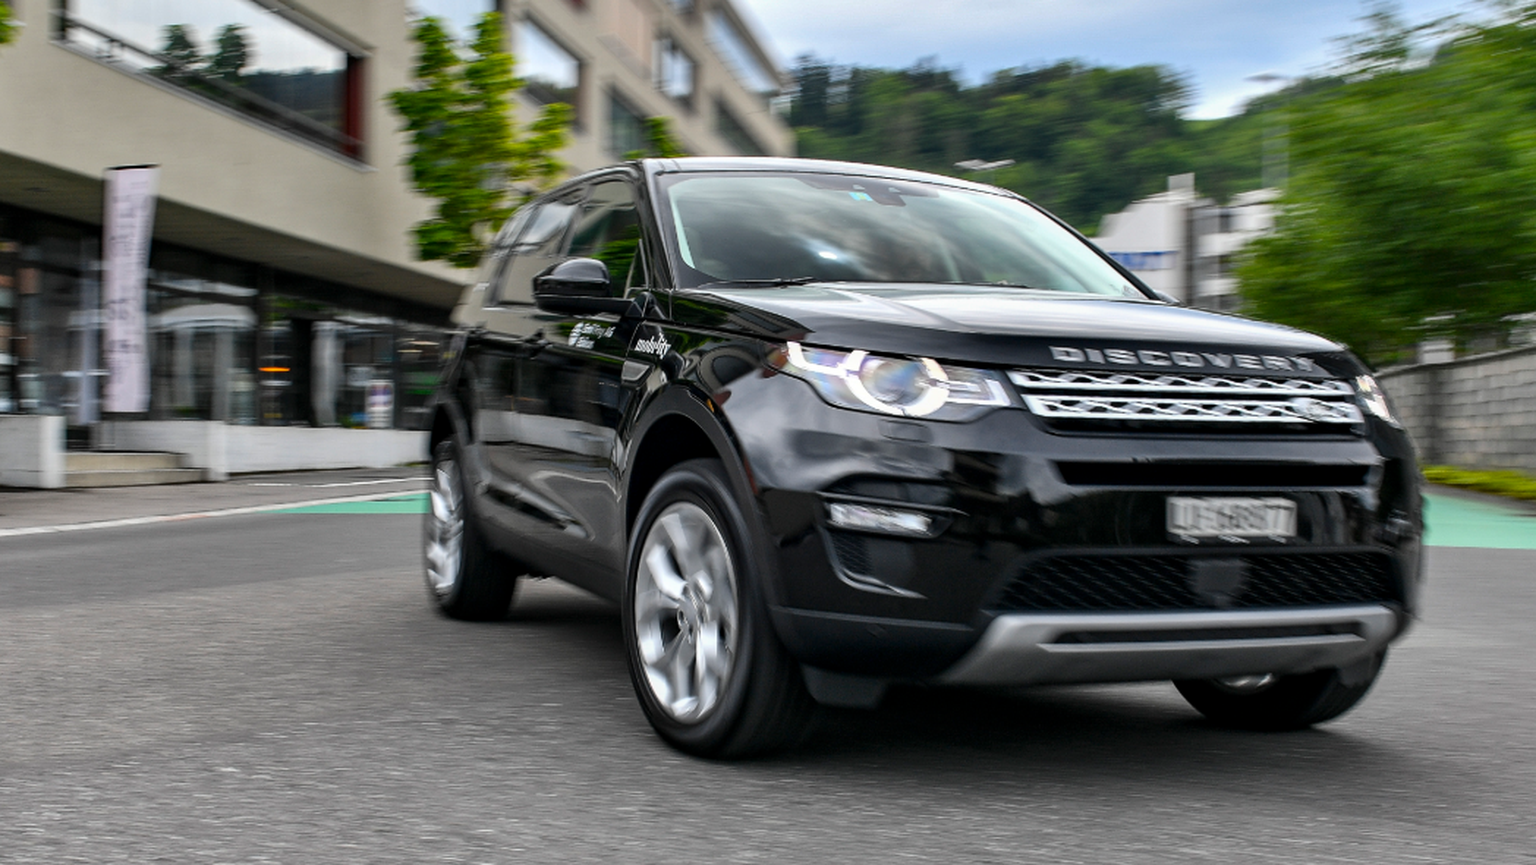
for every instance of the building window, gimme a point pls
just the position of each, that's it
(734, 133)
(550, 73)
(460, 16)
(740, 55)
(674, 71)
(262, 62)
(626, 127)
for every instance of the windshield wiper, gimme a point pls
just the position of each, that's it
(770, 282)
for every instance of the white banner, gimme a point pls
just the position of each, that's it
(128, 221)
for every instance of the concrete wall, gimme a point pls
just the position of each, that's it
(221, 450)
(1477, 412)
(32, 451)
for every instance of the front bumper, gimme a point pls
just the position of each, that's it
(1035, 648)
(1023, 526)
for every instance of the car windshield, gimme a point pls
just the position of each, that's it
(764, 228)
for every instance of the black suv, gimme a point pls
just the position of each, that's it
(819, 427)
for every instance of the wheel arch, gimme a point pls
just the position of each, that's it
(679, 425)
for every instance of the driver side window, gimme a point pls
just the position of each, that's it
(540, 244)
(609, 231)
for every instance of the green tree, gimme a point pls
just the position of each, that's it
(1086, 140)
(232, 53)
(1408, 214)
(179, 48)
(659, 141)
(7, 27)
(465, 150)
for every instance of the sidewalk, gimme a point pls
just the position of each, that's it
(27, 511)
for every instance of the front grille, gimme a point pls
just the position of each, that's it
(1079, 398)
(1167, 582)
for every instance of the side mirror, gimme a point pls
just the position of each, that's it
(578, 286)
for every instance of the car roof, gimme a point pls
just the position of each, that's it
(692, 164)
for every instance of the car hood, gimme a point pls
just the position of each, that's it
(1002, 326)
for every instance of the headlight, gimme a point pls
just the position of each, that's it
(902, 386)
(1373, 399)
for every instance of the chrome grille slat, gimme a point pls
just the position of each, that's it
(1118, 382)
(1103, 395)
(1239, 411)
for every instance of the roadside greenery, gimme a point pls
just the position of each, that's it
(1510, 484)
(8, 27)
(1409, 210)
(466, 152)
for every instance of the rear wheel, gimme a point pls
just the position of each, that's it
(708, 669)
(466, 578)
(1271, 702)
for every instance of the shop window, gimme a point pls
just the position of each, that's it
(202, 336)
(9, 247)
(263, 60)
(549, 72)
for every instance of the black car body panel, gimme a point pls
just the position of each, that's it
(566, 420)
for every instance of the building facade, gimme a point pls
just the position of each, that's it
(1184, 245)
(282, 288)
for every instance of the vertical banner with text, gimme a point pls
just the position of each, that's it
(126, 227)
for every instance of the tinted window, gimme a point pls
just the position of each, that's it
(609, 230)
(540, 244)
(859, 229)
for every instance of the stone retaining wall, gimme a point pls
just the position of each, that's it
(1476, 412)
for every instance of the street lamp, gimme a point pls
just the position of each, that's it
(980, 165)
(1276, 166)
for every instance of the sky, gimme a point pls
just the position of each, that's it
(1218, 44)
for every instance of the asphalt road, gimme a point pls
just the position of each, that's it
(274, 688)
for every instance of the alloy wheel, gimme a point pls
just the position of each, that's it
(685, 611)
(445, 528)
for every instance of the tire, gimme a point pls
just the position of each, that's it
(709, 671)
(466, 579)
(1274, 703)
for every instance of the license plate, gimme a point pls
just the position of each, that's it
(1230, 517)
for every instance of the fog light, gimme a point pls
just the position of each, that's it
(869, 518)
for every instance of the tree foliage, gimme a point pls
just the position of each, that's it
(232, 53)
(465, 149)
(7, 26)
(1086, 140)
(1411, 210)
(180, 48)
(659, 141)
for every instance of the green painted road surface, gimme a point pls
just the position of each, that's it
(413, 503)
(1453, 522)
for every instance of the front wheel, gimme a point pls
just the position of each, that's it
(1270, 702)
(708, 669)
